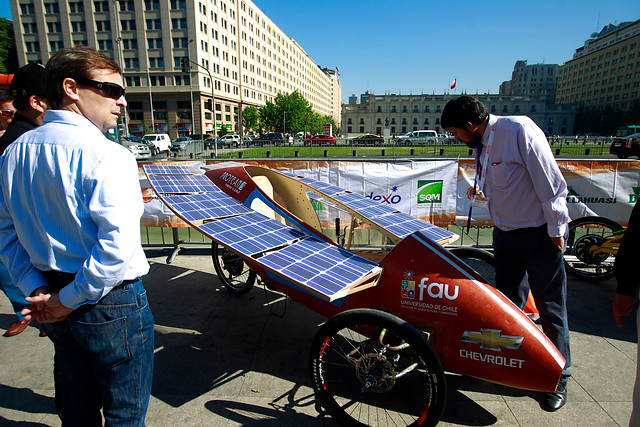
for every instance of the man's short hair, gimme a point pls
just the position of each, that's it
(27, 81)
(75, 62)
(462, 110)
(5, 95)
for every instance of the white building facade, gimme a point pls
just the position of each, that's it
(237, 55)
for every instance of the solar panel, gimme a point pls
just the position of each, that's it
(199, 207)
(365, 206)
(171, 170)
(181, 184)
(251, 234)
(322, 186)
(319, 266)
(402, 225)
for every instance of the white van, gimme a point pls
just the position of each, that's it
(161, 141)
(418, 137)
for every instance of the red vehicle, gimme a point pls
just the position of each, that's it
(321, 139)
(397, 318)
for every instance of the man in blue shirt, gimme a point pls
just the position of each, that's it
(521, 185)
(70, 208)
(30, 104)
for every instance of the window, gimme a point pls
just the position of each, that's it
(51, 8)
(101, 6)
(78, 26)
(152, 4)
(178, 4)
(178, 23)
(126, 5)
(153, 24)
(103, 25)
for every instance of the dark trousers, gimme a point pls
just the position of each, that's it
(531, 251)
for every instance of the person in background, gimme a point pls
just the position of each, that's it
(70, 208)
(628, 277)
(27, 91)
(6, 109)
(520, 183)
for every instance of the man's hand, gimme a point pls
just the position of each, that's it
(46, 308)
(622, 305)
(559, 242)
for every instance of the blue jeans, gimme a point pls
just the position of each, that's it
(104, 357)
(12, 292)
(532, 251)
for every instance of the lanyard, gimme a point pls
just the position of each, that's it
(481, 166)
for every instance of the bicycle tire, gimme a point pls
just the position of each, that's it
(585, 233)
(478, 259)
(358, 379)
(232, 271)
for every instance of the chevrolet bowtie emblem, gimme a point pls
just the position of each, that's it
(492, 339)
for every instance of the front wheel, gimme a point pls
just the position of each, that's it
(369, 367)
(583, 257)
(478, 259)
(232, 271)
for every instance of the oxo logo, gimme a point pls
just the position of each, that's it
(437, 290)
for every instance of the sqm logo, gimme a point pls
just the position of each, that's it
(430, 191)
(636, 194)
(437, 290)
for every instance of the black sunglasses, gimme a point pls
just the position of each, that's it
(110, 90)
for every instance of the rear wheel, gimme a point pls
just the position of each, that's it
(369, 367)
(478, 259)
(582, 258)
(232, 271)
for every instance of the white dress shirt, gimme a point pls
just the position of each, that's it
(523, 183)
(71, 202)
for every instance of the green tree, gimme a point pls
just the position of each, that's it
(250, 118)
(287, 114)
(8, 53)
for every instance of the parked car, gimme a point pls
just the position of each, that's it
(180, 143)
(210, 141)
(321, 139)
(626, 147)
(367, 139)
(247, 140)
(139, 150)
(418, 137)
(274, 138)
(231, 140)
(160, 141)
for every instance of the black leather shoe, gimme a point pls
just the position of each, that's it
(554, 401)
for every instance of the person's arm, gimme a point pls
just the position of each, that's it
(549, 184)
(625, 268)
(115, 205)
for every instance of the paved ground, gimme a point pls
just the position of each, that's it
(223, 360)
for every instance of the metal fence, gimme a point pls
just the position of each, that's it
(345, 147)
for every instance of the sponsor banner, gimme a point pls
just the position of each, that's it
(425, 189)
(596, 188)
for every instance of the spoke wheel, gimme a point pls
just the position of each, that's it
(232, 271)
(480, 260)
(369, 367)
(585, 235)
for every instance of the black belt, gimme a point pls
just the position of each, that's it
(59, 279)
(525, 229)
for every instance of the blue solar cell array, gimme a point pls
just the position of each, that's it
(403, 225)
(199, 207)
(328, 189)
(171, 170)
(318, 265)
(365, 206)
(182, 184)
(251, 234)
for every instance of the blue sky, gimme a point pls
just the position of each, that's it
(418, 46)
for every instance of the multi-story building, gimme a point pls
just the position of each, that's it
(537, 79)
(398, 114)
(238, 56)
(604, 74)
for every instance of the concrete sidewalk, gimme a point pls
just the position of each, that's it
(227, 360)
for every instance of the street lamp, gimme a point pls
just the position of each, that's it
(193, 123)
(153, 124)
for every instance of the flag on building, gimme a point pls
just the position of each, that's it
(337, 71)
(453, 84)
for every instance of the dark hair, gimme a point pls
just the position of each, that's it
(75, 62)
(5, 95)
(462, 110)
(27, 81)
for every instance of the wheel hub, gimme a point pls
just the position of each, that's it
(375, 372)
(583, 246)
(233, 264)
